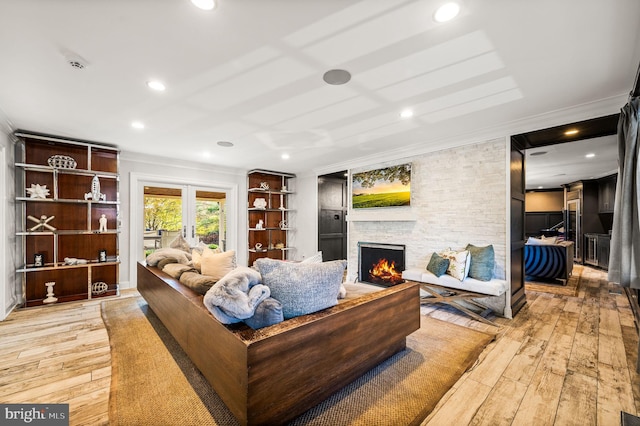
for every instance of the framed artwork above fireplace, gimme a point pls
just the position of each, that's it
(385, 187)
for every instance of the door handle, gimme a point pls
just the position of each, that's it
(193, 231)
(184, 231)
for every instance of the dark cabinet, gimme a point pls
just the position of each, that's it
(606, 194)
(604, 242)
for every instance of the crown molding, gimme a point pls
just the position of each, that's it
(179, 164)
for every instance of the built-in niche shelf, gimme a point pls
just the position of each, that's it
(381, 216)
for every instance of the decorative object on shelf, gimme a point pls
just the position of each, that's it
(38, 260)
(279, 245)
(282, 207)
(284, 188)
(62, 162)
(264, 186)
(260, 203)
(38, 191)
(50, 296)
(99, 288)
(103, 223)
(260, 224)
(95, 193)
(102, 255)
(283, 224)
(74, 261)
(258, 246)
(42, 223)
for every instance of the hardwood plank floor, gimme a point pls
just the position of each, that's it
(563, 360)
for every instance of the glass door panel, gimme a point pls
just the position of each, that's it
(209, 218)
(163, 213)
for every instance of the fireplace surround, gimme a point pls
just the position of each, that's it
(381, 264)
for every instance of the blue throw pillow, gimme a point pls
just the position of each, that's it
(268, 312)
(482, 262)
(438, 265)
(302, 288)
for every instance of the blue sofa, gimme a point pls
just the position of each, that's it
(553, 261)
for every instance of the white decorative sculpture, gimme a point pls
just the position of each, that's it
(43, 222)
(74, 261)
(258, 246)
(260, 203)
(103, 223)
(95, 193)
(283, 224)
(264, 186)
(260, 224)
(282, 207)
(50, 297)
(38, 191)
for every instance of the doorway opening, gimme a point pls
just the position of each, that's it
(332, 213)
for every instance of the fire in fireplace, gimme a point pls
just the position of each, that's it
(381, 264)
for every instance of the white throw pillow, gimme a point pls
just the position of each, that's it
(316, 258)
(549, 240)
(532, 241)
(459, 263)
(217, 265)
(196, 255)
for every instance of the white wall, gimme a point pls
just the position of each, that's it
(305, 203)
(9, 262)
(458, 196)
(165, 169)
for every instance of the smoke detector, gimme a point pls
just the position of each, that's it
(76, 64)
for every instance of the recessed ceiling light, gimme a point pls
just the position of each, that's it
(446, 12)
(407, 113)
(204, 4)
(540, 187)
(155, 85)
(571, 132)
(137, 125)
(206, 154)
(590, 155)
(336, 77)
(285, 156)
(535, 154)
(225, 144)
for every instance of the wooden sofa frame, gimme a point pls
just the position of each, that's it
(271, 375)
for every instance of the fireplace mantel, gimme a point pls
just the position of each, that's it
(381, 216)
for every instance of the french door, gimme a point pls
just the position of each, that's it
(195, 212)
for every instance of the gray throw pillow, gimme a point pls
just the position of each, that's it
(482, 262)
(302, 288)
(438, 265)
(268, 312)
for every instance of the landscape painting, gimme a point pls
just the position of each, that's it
(388, 187)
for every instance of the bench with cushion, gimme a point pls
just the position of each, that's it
(463, 279)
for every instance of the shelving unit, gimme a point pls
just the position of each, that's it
(76, 220)
(272, 239)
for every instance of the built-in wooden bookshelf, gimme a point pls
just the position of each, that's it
(80, 188)
(269, 224)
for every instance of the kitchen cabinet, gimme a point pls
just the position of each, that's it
(606, 194)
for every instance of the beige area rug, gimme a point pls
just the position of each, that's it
(570, 289)
(154, 382)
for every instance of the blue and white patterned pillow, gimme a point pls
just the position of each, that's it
(302, 288)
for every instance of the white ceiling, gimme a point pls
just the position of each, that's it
(250, 72)
(568, 162)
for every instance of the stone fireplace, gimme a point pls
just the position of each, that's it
(381, 264)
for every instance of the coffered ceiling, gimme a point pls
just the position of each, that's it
(250, 72)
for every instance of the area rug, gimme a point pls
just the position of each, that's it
(570, 289)
(154, 382)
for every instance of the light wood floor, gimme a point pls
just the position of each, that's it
(563, 360)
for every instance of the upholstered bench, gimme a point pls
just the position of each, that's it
(490, 296)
